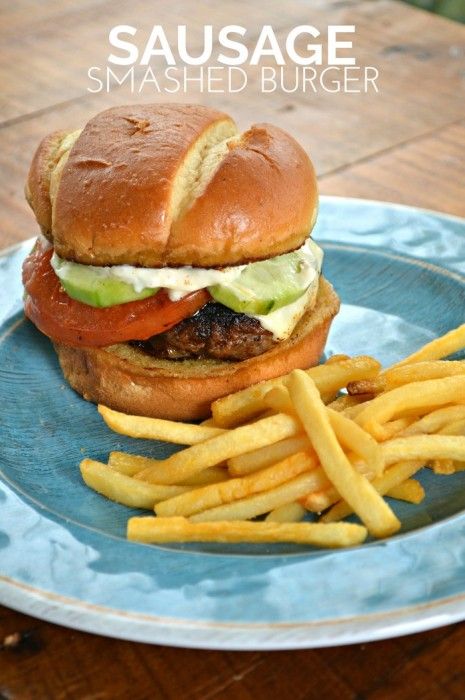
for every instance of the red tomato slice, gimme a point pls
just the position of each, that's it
(69, 321)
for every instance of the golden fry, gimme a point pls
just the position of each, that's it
(150, 529)
(436, 420)
(265, 456)
(456, 427)
(124, 489)
(264, 502)
(448, 344)
(420, 371)
(234, 489)
(288, 513)
(133, 464)
(236, 408)
(352, 486)
(432, 392)
(425, 447)
(366, 386)
(192, 460)
(343, 402)
(392, 477)
(410, 490)
(442, 466)
(353, 437)
(318, 501)
(156, 428)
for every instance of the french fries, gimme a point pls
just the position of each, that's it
(410, 490)
(198, 457)
(424, 447)
(288, 513)
(253, 506)
(352, 486)
(236, 408)
(159, 530)
(133, 464)
(157, 429)
(291, 446)
(446, 345)
(265, 456)
(394, 476)
(434, 392)
(124, 489)
(234, 489)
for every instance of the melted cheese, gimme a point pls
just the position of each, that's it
(283, 321)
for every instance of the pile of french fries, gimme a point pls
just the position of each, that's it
(330, 441)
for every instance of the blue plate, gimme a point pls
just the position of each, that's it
(400, 273)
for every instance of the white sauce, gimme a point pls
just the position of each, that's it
(180, 281)
(283, 321)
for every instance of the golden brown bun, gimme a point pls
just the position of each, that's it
(127, 379)
(168, 184)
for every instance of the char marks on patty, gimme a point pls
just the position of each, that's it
(213, 332)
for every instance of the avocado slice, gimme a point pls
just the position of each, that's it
(265, 286)
(94, 287)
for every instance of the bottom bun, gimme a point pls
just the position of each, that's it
(129, 380)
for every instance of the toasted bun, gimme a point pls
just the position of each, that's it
(127, 379)
(168, 184)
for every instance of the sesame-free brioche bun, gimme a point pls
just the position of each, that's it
(127, 379)
(168, 184)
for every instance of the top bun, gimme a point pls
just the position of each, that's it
(160, 185)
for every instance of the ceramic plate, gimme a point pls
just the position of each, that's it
(400, 273)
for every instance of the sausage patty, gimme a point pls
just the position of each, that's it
(213, 332)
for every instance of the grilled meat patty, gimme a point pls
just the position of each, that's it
(213, 332)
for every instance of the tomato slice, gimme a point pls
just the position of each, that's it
(69, 321)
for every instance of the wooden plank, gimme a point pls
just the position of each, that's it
(427, 172)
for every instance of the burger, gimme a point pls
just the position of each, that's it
(175, 263)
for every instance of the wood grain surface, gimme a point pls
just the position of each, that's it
(405, 144)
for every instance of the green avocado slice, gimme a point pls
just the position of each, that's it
(85, 284)
(265, 286)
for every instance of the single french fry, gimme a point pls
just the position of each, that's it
(345, 401)
(234, 489)
(432, 392)
(410, 490)
(352, 486)
(158, 530)
(266, 501)
(459, 465)
(442, 466)
(336, 358)
(131, 465)
(236, 408)
(194, 459)
(395, 427)
(209, 422)
(448, 344)
(318, 501)
(435, 421)
(456, 427)
(367, 386)
(124, 489)
(279, 400)
(392, 477)
(288, 513)
(353, 437)
(268, 455)
(419, 371)
(157, 428)
(425, 447)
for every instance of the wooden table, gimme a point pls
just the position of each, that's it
(404, 144)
